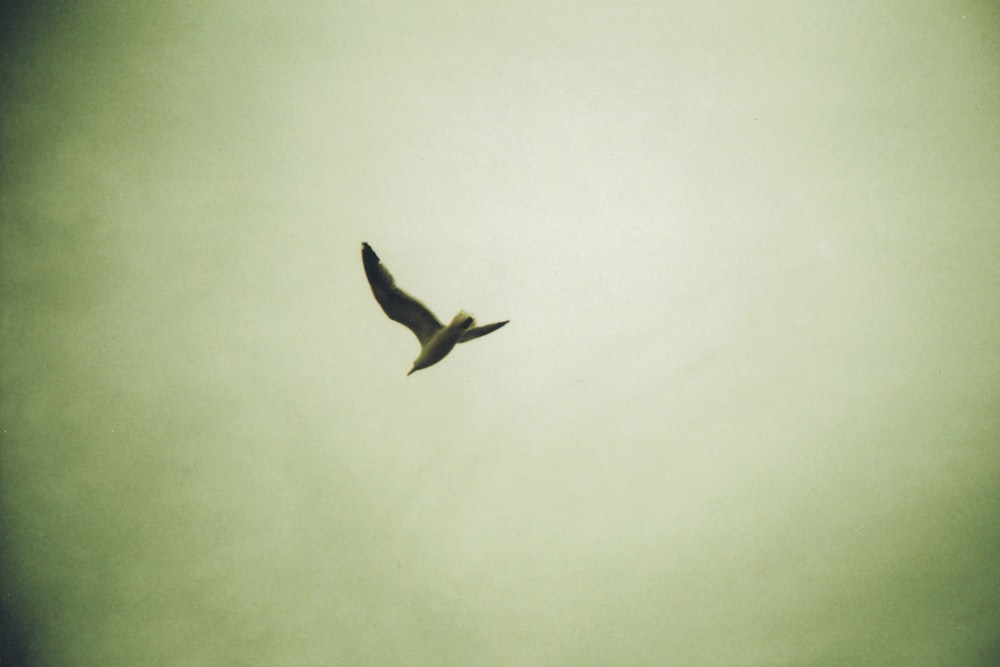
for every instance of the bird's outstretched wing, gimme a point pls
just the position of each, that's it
(396, 303)
(476, 332)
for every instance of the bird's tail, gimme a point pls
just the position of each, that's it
(462, 321)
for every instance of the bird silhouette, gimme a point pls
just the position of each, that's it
(436, 339)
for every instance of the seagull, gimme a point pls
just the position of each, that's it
(436, 340)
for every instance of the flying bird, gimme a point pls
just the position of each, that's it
(436, 340)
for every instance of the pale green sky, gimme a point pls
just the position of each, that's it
(745, 412)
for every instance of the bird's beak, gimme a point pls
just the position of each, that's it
(411, 372)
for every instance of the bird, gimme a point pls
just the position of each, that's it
(436, 339)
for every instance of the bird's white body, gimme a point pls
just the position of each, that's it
(441, 343)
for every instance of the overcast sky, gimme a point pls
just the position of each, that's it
(745, 411)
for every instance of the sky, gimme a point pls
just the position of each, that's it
(745, 411)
